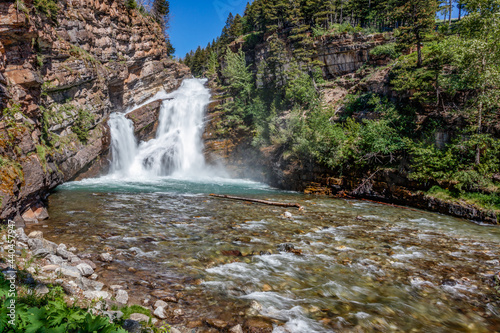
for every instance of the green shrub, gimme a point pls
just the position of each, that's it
(385, 50)
(47, 7)
(49, 313)
(131, 4)
(82, 125)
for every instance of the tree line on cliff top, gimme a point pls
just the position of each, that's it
(441, 128)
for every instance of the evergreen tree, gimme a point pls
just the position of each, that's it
(419, 19)
(161, 11)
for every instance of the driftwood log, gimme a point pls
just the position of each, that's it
(265, 202)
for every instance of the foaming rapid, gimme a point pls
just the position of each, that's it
(177, 149)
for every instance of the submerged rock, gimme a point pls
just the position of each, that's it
(236, 329)
(160, 303)
(105, 257)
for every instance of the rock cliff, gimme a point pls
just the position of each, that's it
(61, 75)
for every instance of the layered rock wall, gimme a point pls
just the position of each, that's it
(59, 81)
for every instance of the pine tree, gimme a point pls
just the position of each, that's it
(419, 19)
(161, 11)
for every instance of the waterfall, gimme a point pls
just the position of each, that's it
(177, 148)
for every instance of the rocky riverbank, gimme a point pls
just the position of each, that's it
(85, 283)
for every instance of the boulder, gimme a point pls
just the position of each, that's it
(139, 317)
(121, 296)
(160, 312)
(85, 269)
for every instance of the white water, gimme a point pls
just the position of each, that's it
(177, 149)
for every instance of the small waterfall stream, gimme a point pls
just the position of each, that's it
(177, 148)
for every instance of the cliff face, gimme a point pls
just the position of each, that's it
(59, 81)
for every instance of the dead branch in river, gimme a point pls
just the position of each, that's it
(265, 202)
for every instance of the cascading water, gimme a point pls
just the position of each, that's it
(177, 147)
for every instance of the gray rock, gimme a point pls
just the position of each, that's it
(72, 249)
(139, 317)
(41, 289)
(160, 312)
(106, 257)
(55, 260)
(62, 246)
(21, 236)
(41, 252)
(132, 326)
(91, 294)
(36, 234)
(74, 259)
(22, 245)
(51, 268)
(115, 287)
(35, 243)
(64, 253)
(113, 315)
(161, 303)
(121, 296)
(85, 269)
(70, 271)
(87, 284)
(51, 246)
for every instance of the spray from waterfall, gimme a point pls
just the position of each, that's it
(176, 150)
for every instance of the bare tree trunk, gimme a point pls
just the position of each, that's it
(419, 51)
(479, 125)
(451, 10)
(480, 115)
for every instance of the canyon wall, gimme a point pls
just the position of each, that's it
(60, 78)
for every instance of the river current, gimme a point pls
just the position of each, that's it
(335, 266)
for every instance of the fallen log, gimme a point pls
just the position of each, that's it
(265, 202)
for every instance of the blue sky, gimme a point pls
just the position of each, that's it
(198, 22)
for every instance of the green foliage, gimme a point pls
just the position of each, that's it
(42, 155)
(131, 4)
(50, 313)
(483, 200)
(47, 7)
(419, 20)
(80, 53)
(213, 64)
(128, 310)
(8, 114)
(456, 163)
(237, 74)
(299, 89)
(385, 50)
(83, 124)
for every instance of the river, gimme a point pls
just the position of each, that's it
(335, 266)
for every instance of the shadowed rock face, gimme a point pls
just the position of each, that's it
(58, 85)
